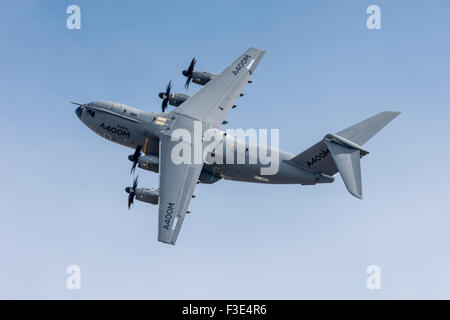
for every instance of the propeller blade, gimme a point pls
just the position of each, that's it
(188, 80)
(189, 72)
(130, 199)
(135, 182)
(166, 96)
(135, 157)
(137, 152)
(133, 167)
(164, 104)
(168, 88)
(192, 65)
(132, 192)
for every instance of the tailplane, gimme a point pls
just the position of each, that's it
(361, 132)
(341, 152)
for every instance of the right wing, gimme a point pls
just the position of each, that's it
(212, 103)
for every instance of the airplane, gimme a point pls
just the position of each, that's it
(150, 135)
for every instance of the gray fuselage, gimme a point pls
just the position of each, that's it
(131, 127)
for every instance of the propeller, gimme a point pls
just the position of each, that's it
(135, 157)
(132, 192)
(188, 73)
(165, 96)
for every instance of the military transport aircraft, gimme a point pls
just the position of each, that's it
(149, 133)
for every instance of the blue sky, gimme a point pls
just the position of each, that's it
(62, 198)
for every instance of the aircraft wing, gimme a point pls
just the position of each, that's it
(176, 186)
(212, 103)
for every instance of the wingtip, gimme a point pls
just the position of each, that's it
(357, 195)
(166, 242)
(394, 113)
(257, 49)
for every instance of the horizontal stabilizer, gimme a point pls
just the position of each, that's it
(361, 132)
(347, 161)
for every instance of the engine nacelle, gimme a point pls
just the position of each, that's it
(208, 177)
(149, 162)
(147, 195)
(200, 77)
(177, 98)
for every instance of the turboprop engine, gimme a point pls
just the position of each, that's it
(198, 77)
(146, 162)
(142, 194)
(174, 99)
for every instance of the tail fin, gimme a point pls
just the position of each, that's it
(342, 151)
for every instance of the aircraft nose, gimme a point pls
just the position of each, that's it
(127, 189)
(78, 111)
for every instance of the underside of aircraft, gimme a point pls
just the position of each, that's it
(151, 135)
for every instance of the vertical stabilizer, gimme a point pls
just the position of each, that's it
(347, 161)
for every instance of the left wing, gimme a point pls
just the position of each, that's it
(212, 103)
(176, 186)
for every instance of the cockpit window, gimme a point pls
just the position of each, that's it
(91, 112)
